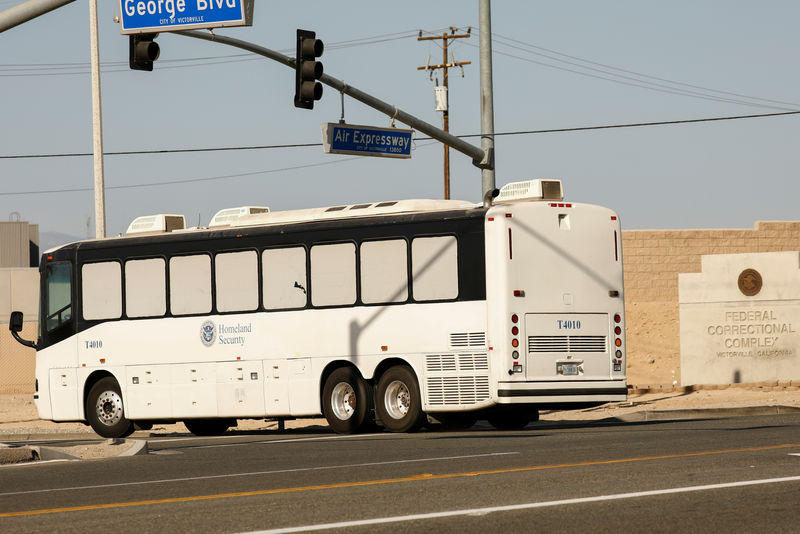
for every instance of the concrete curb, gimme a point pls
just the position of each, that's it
(703, 413)
(770, 385)
(15, 455)
(21, 454)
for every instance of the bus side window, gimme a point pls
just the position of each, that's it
(284, 274)
(190, 284)
(434, 264)
(384, 271)
(101, 290)
(333, 274)
(145, 288)
(236, 278)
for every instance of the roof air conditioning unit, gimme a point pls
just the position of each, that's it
(156, 224)
(531, 190)
(228, 216)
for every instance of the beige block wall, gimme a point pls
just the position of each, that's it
(17, 363)
(652, 260)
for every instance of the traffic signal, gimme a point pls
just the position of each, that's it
(307, 70)
(143, 51)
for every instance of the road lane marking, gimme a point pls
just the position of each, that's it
(263, 442)
(526, 506)
(411, 478)
(274, 472)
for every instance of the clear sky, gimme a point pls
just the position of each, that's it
(556, 65)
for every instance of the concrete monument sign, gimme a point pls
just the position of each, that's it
(740, 319)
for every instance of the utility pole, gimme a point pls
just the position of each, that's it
(97, 128)
(446, 38)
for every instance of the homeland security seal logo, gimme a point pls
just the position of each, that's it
(750, 282)
(208, 333)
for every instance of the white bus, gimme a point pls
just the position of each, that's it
(376, 314)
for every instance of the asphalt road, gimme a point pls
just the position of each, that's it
(721, 475)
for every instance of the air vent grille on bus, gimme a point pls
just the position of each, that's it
(471, 339)
(453, 390)
(443, 363)
(567, 344)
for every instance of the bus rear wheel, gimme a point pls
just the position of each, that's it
(105, 411)
(398, 403)
(207, 427)
(347, 401)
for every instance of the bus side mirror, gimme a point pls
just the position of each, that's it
(15, 323)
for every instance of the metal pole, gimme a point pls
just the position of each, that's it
(26, 11)
(446, 120)
(487, 96)
(97, 129)
(478, 156)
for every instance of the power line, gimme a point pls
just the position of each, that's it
(466, 136)
(11, 70)
(192, 180)
(627, 125)
(642, 75)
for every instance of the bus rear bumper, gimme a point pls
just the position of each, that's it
(561, 392)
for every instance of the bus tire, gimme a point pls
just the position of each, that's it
(347, 401)
(457, 420)
(398, 403)
(207, 427)
(512, 419)
(105, 412)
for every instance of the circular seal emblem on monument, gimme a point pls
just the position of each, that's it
(750, 282)
(208, 333)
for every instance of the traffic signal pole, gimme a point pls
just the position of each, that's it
(480, 158)
(26, 11)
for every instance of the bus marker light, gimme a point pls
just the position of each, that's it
(238, 357)
(102, 360)
(618, 342)
(617, 318)
(508, 215)
(491, 218)
(515, 343)
(514, 318)
(83, 365)
(519, 292)
(514, 330)
(384, 348)
(613, 218)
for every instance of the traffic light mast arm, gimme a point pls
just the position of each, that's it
(480, 158)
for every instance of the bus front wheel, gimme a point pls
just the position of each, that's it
(346, 401)
(105, 411)
(398, 402)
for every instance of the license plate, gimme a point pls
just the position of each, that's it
(567, 369)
